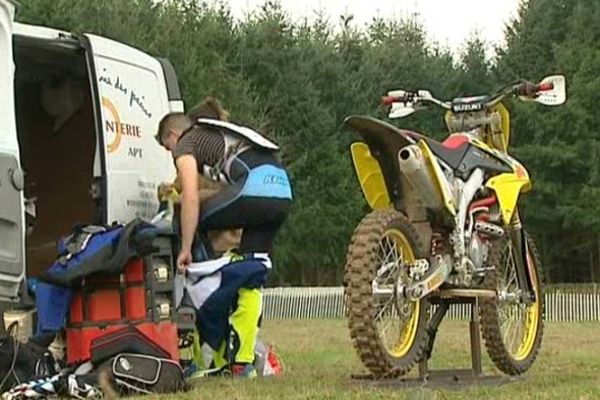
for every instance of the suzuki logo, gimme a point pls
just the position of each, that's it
(467, 107)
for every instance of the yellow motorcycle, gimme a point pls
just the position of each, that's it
(445, 225)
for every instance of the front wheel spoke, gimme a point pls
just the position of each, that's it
(509, 324)
(518, 339)
(505, 314)
(513, 338)
(512, 279)
(519, 336)
(512, 328)
(504, 325)
(506, 331)
(511, 315)
(510, 275)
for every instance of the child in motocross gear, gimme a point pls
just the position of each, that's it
(256, 199)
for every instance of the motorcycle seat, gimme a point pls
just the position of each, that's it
(451, 151)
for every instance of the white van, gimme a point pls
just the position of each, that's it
(78, 116)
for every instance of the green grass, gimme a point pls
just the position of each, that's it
(319, 360)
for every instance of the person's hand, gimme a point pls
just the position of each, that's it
(183, 260)
(164, 189)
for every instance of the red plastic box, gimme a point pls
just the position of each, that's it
(106, 304)
(104, 301)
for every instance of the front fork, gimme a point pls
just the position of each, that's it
(519, 242)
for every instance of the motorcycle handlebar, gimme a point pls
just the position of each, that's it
(542, 87)
(387, 100)
(414, 97)
(529, 89)
(526, 89)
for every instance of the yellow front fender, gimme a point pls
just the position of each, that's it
(370, 177)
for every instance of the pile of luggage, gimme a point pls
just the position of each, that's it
(110, 300)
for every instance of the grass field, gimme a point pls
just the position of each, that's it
(319, 360)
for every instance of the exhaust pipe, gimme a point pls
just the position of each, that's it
(414, 167)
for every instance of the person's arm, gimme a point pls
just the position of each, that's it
(190, 204)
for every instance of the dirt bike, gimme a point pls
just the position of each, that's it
(445, 225)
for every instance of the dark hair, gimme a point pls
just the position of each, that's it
(210, 108)
(175, 120)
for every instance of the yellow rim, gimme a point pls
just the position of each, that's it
(520, 326)
(531, 317)
(407, 330)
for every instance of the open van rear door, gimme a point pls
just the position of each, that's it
(12, 232)
(133, 92)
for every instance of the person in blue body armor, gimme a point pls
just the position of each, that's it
(256, 198)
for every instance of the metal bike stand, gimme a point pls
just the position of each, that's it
(445, 378)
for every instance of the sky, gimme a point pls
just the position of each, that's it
(448, 22)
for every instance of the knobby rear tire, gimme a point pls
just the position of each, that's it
(360, 271)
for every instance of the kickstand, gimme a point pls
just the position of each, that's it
(432, 328)
(425, 373)
(475, 338)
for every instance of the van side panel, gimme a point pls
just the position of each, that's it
(133, 97)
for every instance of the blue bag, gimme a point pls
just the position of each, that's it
(89, 250)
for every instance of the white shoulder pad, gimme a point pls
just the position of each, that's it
(248, 133)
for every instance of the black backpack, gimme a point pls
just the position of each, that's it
(21, 362)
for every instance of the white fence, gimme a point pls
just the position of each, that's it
(328, 302)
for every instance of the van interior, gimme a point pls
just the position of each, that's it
(56, 132)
